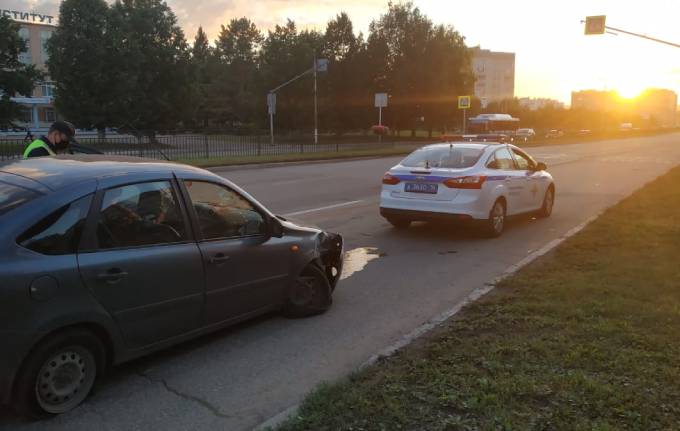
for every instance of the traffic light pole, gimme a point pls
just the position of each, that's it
(653, 39)
(271, 99)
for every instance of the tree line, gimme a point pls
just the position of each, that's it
(129, 65)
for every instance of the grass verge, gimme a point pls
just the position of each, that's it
(586, 338)
(345, 154)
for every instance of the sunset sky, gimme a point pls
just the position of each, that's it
(553, 55)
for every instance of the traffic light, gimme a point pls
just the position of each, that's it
(595, 24)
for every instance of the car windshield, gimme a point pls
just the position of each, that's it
(12, 197)
(450, 157)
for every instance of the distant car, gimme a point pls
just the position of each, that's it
(105, 259)
(584, 132)
(466, 182)
(525, 133)
(554, 133)
(626, 127)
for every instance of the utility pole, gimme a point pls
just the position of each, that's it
(316, 113)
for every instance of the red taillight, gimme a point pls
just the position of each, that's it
(390, 179)
(470, 182)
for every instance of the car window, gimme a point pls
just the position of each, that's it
(140, 215)
(12, 197)
(59, 232)
(448, 157)
(524, 162)
(502, 160)
(223, 213)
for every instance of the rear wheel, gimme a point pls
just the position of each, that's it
(399, 223)
(311, 294)
(495, 224)
(548, 203)
(60, 373)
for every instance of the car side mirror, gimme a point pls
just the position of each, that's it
(540, 166)
(275, 228)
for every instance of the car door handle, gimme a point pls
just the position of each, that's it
(219, 259)
(112, 276)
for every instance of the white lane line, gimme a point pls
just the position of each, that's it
(328, 207)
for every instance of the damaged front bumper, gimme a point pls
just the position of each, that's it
(332, 251)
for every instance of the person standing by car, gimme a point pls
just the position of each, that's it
(57, 140)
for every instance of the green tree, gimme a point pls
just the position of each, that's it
(80, 66)
(155, 86)
(346, 90)
(285, 54)
(423, 67)
(16, 78)
(236, 51)
(202, 60)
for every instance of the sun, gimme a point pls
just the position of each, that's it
(629, 91)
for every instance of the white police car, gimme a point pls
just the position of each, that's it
(466, 181)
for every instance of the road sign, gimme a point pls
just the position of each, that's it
(595, 24)
(381, 100)
(464, 102)
(322, 65)
(271, 103)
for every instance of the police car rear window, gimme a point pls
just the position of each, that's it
(12, 197)
(443, 157)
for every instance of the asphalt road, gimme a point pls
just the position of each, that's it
(240, 377)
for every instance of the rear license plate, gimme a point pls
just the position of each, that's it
(421, 188)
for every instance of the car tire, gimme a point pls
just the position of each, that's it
(495, 224)
(548, 203)
(311, 294)
(399, 223)
(59, 373)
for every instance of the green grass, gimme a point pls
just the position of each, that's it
(586, 338)
(344, 154)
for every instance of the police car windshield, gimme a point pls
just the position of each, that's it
(12, 197)
(450, 157)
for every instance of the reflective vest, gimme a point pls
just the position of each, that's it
(38, 143)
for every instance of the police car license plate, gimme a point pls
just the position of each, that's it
(421, 188)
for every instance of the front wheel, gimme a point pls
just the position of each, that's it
(548, 203)
(495, 224)
(60, 373)
(311, 294)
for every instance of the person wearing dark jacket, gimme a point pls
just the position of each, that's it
(57, 140)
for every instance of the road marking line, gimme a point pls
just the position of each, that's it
(328, 207)
(443, 317)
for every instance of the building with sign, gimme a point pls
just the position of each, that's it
(37, 108)
(494, 75)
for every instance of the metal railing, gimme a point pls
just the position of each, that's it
(192, 147)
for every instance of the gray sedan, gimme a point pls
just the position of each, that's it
(106, 259)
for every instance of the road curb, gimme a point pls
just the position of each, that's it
(436, 321)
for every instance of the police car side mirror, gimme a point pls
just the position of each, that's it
(540, 166)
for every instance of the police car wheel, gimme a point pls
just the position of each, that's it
(495, 224)
(310, 294)
(59, 374)
(548, 203)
